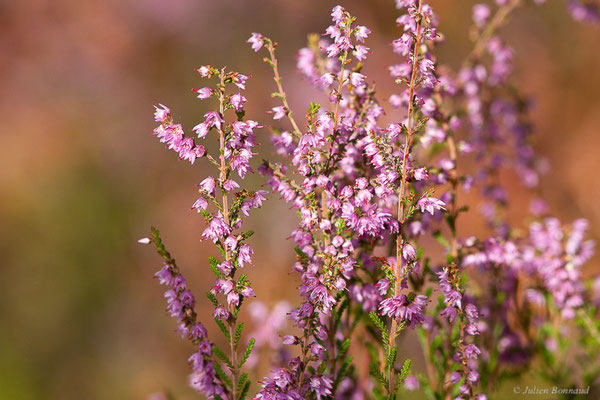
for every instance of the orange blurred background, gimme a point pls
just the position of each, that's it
(82, 179)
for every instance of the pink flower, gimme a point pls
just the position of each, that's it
(278, 112)
(233, 299)
(361, 33)
(201, 130)
(204, 93)
(256, 40)
(472, 351)
(481, 13)
(200, 204)
(213, 118)
(360, 52)
(239, 80)
(230, 185)
(221, 313)
(421, 174)
(208, 185)
(337, 14)
(186, 150)
(237, 101)
(161, 114)
(357, 79)
(411, 383)
(408, 252)
(245, 255)
(430, 204)
(217, 229)
(204, 71)
(289, 339)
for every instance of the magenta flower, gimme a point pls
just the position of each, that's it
(256, 40)
(430, 204)
(402, 309)
(204, 93)
(481, 13)
(408, 252)
(472, 351)
(161, 114)
(201, 129)
(237, 101)
(208, 185)
(213, 118)
(278, 112)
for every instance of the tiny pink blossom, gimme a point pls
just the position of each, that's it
(208, 185)
(361, 33)
(161, 114)
(430, 204)
(200, 204)
(481, 13)
(357, 79)
(421, 174)
(213, 118)
(337, 14)
(278, 112)
(256, 40)
(204, 93)
(408, 252)
(201, 130)
(204, 71)
(237, 101)
(360, 52)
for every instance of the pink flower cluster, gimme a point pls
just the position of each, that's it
(372, 197)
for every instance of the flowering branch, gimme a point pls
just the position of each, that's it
(363, 194)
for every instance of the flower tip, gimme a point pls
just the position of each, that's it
(144, 240)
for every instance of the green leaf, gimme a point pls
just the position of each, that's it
(222, 356)
(247, 352)
(403, 373)
(240, 115)
(238, 334)
(377, 321)
(344, 348)
(391, 360)
(222, 376)
(213, 262)
(244, 391)
(223, 329)
(300, 253)
(243, 379)
(441, 239)
(212, 299)
(375, 373)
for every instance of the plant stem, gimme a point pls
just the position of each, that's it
(222, 177)
(270, 45)
(401, 192)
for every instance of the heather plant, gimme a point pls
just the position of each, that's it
(370, 196)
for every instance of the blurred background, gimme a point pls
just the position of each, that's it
(82, 178)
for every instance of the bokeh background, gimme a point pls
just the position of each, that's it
(82, 179)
